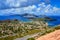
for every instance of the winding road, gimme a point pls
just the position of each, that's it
(28, 36)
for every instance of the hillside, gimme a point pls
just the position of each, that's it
(20, 29)
(51, 36)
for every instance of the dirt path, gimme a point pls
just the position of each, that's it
(51, 36)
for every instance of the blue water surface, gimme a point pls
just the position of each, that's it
(21, 18)
(55, 22)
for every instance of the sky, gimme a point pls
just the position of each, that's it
(37, 7)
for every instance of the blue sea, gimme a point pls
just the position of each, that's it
(21, 18)
(12, 17)
(55, 22)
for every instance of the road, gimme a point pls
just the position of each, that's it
(26, 37)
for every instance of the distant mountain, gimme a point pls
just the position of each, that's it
(22, 17)
(29, 16)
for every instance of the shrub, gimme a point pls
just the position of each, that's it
(30, 39)
(58, 27)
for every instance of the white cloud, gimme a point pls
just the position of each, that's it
(41, 9)
(15, 3)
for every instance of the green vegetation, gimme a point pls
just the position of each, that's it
(30, 39)
(19, 35)
(57, 27)
(17, 29)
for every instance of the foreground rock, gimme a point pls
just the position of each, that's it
(52, 36)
